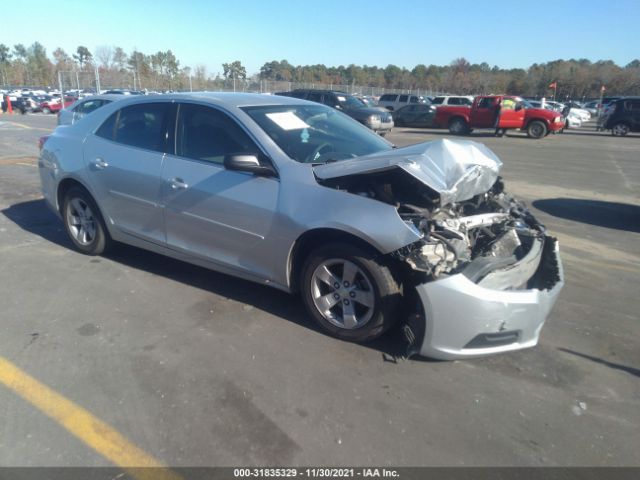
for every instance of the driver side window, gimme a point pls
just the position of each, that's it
(486, 102)
(205, 133)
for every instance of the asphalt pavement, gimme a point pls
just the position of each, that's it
(196, 368)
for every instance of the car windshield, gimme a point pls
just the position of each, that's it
(525, 103)
(315, 133)
(350, 101)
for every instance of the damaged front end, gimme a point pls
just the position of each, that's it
(484, 271)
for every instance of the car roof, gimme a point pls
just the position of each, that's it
(225, 99)
(104, 96)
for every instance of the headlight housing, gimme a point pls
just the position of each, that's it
(557, 120)
(373, 119)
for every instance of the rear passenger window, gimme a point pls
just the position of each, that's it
(315, 97)
(404, 98)
(465, 101)
(414, 99)
(454, 101)
(205, 133)
(143, 126)
(107, 129)
(438, 101)
(632, 106)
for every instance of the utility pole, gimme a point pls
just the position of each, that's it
(97, 81)
(60, 86)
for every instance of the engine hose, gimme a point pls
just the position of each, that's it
(446, 242)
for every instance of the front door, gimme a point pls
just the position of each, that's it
(484, 115)
(511, 113)
(220, 215)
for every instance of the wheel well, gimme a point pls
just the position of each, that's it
(546, 123)
(312, 239)
(457, 117)
(64, 186)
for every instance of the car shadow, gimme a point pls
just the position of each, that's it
(616, 366)
(578, 132)
(473, 135)
(36, 218)
(619, 216)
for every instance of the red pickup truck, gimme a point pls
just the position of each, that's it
(515, 113)
(55, 105)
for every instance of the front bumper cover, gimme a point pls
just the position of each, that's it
(462, 319)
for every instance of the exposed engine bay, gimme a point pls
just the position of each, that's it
(476, 237)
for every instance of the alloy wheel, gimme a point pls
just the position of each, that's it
(81, 221)
(343, 293)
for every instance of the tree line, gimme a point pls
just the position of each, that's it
(581, 78)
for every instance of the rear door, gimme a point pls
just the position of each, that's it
(220, 215)
(124, 159)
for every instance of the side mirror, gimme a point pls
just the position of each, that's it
(247, 163)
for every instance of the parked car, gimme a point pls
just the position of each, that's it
(55, 104)
(394, 101)
(452, 100)
(377, 119)
(120, 91)
(572, 121)
(79, 109)
(574, 117)
(592, 107)
(624, 116)
(301, 197)
(417, 115)
(18, 104)
(516, 113)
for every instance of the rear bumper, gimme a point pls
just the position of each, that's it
(463, 319)
(381, 126)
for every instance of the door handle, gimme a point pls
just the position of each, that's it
(100, 163)
(178, 184)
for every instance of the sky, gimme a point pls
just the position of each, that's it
(510, 34)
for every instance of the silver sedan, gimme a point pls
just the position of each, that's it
(299, 196)
(77, 110)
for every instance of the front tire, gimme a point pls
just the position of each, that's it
(349, 292)
(84, 224)
(620, 130)
(46, 111)
(536, 129)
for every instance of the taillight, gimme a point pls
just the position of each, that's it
(42, 141)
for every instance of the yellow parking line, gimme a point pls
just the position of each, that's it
(98, 435)
(28, 127)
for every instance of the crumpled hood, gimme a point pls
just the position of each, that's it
(456, 169)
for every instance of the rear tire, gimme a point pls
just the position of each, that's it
(84, 224)
(46, 111)
(458, 126)
(349, 292)
(620, 130)
(536, 129)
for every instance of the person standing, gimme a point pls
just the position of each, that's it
(498, 110)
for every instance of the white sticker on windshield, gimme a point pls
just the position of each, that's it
(342, 99)
(287, 120)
